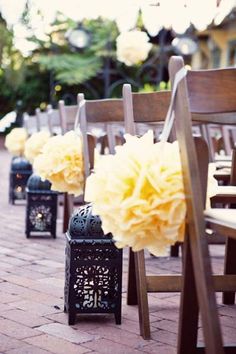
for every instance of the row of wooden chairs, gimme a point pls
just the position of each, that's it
(197, 283)
(194, 102)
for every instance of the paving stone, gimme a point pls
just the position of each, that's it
(34, 307)
(118, 335)
(25, 317)
(28, 349)
(68, 333)
(7, 298)
(170, 326)
(16, 330)
(106, 346)
(60, 317)
(128, 325)
(160, 349)
(57, 345)
(7, 343)
(165, 337)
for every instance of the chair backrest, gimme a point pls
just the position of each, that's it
(209, 93)
(106, 114)
(30, 123)
(54, 120)
(151, 109)
(144, 108)
(42, 120)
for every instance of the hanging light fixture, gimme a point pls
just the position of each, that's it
(78, 37)
(184, 45)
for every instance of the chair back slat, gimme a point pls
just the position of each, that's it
(150, 107)
(144, 107)
(212, 91)
(104, 111)
(30, 123)
(67, 116)
(42, 120)
(54, 121)
(128, 110)
(84, 132)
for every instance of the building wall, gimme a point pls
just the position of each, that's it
(217, 48)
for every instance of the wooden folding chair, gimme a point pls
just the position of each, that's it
(150, 109)
(206, 92)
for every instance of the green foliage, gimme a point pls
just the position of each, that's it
(71, 69)
(152, 88)
(34, 89)
(32, 80)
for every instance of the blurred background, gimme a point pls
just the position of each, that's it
(53, 49)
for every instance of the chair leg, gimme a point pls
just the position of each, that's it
(206, 293)
(68, 207)
(174, 250)
(188, 317)
(65, 214)
(132, 286)
(118, 317)
(142, 293)
(229, 268)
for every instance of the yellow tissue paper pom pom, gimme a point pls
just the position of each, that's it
(15, 141)
(34, 144)
(139, 194)
(61, 162)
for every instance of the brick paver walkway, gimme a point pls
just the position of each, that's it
(31, 297)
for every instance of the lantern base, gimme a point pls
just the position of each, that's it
(40, 234)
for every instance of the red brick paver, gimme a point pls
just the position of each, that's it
(32, 320)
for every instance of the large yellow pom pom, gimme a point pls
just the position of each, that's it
(34, 144)
(61, 162)
(139, 195)
(15, 141)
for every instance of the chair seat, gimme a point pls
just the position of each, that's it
(223, 164)
(225, 190)
(221, 217)
(223, 158)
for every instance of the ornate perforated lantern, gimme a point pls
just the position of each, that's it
(41, 207)
(20, 171)
(93, 274)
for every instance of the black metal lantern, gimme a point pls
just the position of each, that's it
(41, 207)
(93, 270)
(20, 171)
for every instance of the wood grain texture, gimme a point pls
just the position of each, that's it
(212, 91)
